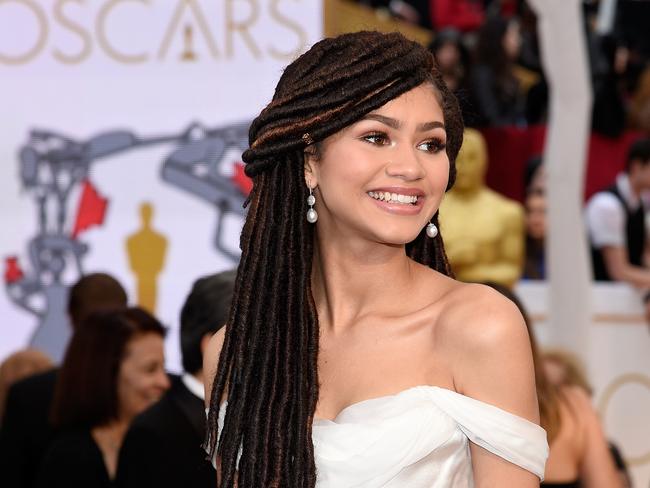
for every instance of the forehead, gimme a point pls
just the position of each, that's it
(421, 102)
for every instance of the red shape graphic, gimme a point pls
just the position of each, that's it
(241, 181)
(92, 208)
(13, 273)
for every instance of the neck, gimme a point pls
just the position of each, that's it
(352, 278)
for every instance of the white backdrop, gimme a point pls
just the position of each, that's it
(135, 70)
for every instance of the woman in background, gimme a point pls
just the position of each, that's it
(113, 370)
(579, 455)
(495, 88)
(350, 356)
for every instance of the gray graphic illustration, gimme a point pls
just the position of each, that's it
(52, 166)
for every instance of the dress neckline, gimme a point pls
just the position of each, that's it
(319, 420)
(382, 397)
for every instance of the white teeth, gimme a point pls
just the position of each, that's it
(393, 197)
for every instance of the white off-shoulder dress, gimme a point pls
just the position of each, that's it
(419, 438)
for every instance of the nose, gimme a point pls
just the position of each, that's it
(406, 165)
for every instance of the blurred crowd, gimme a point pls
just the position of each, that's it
(110, 415)
(489, 53)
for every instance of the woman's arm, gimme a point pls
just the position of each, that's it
(492, 362)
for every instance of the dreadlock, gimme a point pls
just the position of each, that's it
(268, 362)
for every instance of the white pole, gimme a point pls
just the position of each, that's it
(564, 57)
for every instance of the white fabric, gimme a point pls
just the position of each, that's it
(419, 438)
(194, 385)
(605, 216)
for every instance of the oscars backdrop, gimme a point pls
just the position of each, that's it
(122, 128)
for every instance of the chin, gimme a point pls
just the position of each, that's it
(398, 238)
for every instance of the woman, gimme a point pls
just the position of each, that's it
(579, 455)
(113, 370)
(350, 357)
(495, 88)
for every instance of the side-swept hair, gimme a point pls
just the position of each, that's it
(268, 362)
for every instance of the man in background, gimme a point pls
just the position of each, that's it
(616, 221)
(26, 430)
(163, 445)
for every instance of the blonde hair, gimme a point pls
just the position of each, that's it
(573, 368)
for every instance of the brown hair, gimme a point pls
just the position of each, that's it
(96, 291)
(268, 362)
(86, 390)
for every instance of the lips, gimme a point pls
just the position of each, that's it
(398, 201)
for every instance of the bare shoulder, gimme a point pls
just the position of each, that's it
(211, 360)
(478, 316)
(487, 346)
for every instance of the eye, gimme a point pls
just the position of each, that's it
(377, 138)
(432, 146)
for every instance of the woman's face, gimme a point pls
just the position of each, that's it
(448, 56)
(536, 215)
(383, 177)
(512, 41)
(142, 378)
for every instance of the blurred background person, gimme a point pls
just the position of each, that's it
(26, 430)
(163, 445)
(639, 113)
(496, 90)
(616, 222)
(452, 57)
(19, 365)
(535, 261)
(579, 455)
(113, 370)
(564, 369)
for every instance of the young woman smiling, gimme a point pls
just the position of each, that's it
(351, 357)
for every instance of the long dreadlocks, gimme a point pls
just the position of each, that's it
(268, 362)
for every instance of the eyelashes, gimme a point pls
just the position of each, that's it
(433, 145)
(377, 138)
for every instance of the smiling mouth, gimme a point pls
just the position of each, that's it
(389, 197)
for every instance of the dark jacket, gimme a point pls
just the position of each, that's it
(163, 445)
(73, 460)
(26, 431)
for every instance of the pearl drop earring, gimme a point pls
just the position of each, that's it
(312, 216)
(432, 230)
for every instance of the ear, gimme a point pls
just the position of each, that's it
(311, 166)
(205, 340)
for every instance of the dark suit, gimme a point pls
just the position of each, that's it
(163, 445)
(73, 459)
(26, 431)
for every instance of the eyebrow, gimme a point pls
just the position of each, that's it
(397, 124)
